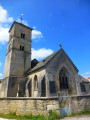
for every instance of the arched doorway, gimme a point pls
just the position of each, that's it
(63, 79)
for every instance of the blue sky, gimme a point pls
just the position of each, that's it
(55, 22)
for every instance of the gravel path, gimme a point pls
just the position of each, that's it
(82, 117)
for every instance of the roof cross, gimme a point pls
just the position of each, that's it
(21, 18)
(60, 46)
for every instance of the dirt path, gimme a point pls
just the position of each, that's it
(82, 117)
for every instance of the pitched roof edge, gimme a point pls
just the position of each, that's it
(52, 58)
(71, 61)
(45, 63)
(20, 24)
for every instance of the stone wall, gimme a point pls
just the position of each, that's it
(28, 105)
(79, 103)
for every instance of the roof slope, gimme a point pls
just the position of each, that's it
(19, 24)
(43, 62)
(47, 59)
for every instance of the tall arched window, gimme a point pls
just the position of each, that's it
(63, 77)
(43, 87)
(35, 82)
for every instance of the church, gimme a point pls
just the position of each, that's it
(54, 76)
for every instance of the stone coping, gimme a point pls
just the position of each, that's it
(80, 95)
(41, 98)
(29, 98)
(72, 96)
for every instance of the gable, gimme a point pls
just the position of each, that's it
(48, 59)
(61, 59)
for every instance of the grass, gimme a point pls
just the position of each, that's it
(52, 116)
(22, 117)
(80, 113)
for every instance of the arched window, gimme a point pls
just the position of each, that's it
(43, 87)
(35, 82)
(63, 77)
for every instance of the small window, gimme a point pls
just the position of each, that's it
(82, 87)
(22, 35)
(21, 48)
(35, 83)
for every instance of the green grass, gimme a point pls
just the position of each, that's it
(23, 117)
(80, 113)
(52, 116)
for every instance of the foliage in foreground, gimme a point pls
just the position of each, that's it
(52, 116)
(80, 113)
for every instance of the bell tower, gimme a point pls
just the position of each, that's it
(18, 58)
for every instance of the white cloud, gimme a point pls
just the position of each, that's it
(87, 73)
(1, 75)
(36, 34)
(0, 64)
(23, 21)
(4, 24)
(4, 34)
(41, 53)
(4, 16)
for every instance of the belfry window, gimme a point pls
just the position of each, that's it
(22, 35)
(63, 78)
(35, 82)
(21, 48)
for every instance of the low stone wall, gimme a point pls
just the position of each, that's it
(79, 103)
(28, 105)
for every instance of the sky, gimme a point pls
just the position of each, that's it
(54, 22)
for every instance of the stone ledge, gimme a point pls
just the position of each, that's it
(29, 98)
(87, 95)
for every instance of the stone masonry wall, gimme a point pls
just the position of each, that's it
(28, 105)
(79, 103)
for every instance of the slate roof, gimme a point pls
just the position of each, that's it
(47, 59)
(44, 61)
(83, 79)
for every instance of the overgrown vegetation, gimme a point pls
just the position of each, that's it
(52, 116)
(80, 113)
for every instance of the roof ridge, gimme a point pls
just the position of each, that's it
(43, 63)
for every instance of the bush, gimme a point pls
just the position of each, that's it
(53, 115)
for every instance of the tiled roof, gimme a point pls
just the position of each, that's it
(88, 78)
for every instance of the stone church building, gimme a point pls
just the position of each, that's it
(54, 76)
